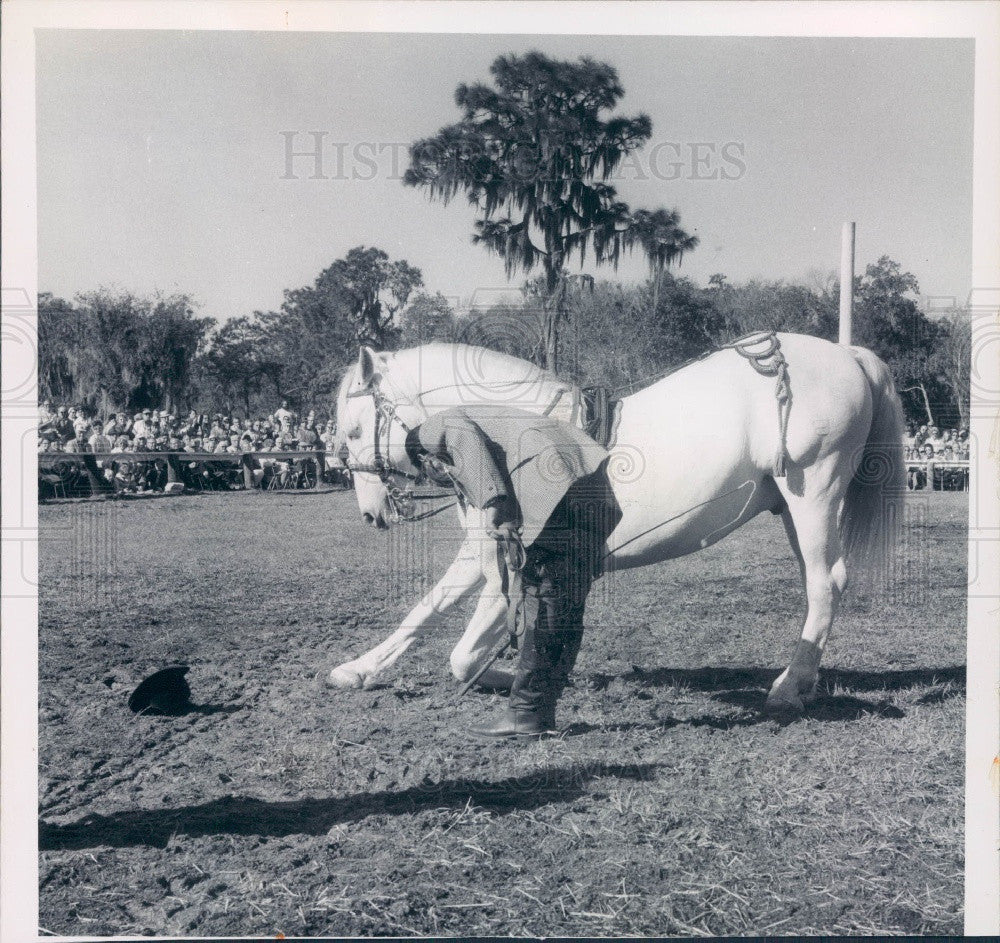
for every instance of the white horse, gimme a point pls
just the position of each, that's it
(695, 458)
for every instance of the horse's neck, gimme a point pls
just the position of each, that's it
(442, 382)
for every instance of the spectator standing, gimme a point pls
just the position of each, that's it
(283, 415)
(100, 444)
(934, 438)
(141, 424)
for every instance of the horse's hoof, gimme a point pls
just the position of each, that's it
(344, 679)
(783, 704)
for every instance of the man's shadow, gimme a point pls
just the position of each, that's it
(242, 815)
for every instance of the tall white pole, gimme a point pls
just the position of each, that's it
(846, 281)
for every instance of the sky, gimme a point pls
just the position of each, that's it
(163, 157)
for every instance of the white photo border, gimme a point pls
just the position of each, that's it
(903, 18)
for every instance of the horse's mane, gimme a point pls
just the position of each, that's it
(443, 375)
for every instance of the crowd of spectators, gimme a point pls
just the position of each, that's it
(936, 458)
(120, 444)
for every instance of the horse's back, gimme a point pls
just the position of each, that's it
(704, 442)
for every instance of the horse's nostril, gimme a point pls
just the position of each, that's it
(368, 518)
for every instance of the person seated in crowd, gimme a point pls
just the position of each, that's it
(62, 426)
(117, 426)
(329, 435)
(49, 430)
(189, 425)
(331, 470)
(283, 467)
(192, 444)
(916, 477)
(81, 425)
(307, 438)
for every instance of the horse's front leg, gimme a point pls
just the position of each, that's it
(487, 625)
(461, 578)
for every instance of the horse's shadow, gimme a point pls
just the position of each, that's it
(242, 815)
(833, 708)
(747, 688)
(727, 680)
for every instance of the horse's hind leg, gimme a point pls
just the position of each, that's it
(811, 523)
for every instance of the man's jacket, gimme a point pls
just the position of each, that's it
(497, 452)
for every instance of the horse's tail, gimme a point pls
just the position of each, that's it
(872, 514)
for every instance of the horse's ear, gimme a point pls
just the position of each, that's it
(366, 367)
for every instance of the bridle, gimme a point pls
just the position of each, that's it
(400, 498)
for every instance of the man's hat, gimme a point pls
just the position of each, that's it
(165, 692)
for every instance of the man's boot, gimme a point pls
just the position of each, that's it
(565, 648)
(531, 706)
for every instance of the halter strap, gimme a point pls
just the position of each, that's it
(401, 499)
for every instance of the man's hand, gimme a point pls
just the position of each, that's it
(499, 512)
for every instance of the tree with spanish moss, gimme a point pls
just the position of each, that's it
(534, 155)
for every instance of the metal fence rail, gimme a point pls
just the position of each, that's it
(931, 475)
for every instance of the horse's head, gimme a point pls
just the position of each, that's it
(374, 439)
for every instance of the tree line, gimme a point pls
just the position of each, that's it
(113, 349)
(532, 154)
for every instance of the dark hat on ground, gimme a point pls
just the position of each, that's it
(165, 692)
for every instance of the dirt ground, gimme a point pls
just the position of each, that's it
(670, 806)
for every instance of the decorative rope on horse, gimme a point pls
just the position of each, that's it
(763, 352)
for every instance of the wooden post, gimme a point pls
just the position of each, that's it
(846, 281)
